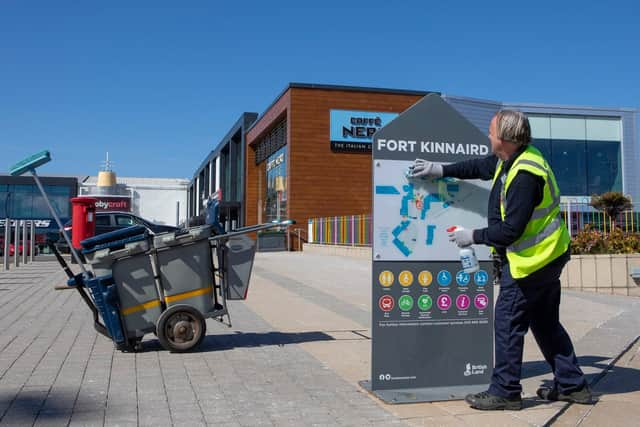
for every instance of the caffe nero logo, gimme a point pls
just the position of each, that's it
(361, 127)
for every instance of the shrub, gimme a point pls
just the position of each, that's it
(590, 241)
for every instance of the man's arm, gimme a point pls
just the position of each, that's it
(525, 193)
(483, 168)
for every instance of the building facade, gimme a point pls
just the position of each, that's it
(20, 200)
(223, 169)
(308, 155)
(159, 200)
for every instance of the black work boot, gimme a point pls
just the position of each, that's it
(486, 401)
(582, 396)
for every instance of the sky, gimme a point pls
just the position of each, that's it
(157, 84)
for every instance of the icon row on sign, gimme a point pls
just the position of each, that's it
(443, 302)
(444, 278)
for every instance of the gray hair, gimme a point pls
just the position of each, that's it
(513, 126)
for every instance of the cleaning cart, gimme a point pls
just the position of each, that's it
(167, 284)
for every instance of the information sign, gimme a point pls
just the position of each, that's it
(432, 323)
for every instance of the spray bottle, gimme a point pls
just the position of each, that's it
(467, 254)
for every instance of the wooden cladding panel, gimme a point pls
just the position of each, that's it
(322, 183)
(255, 175)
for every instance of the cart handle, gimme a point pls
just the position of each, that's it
(252, 228)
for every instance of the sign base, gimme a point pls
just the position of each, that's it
(426, 394)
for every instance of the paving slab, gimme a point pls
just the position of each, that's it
(294, 356)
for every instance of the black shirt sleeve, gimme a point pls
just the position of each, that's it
(483, 168)
(524, 194)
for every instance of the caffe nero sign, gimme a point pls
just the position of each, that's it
(352, 131)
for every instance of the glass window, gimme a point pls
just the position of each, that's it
(603, 129)
(124, 220)
(276, 197)
(239, 172)
(568, 128)
(102, 220)
(225, 161)
(569, 163)
(603, 167)
(540, 126)
(544, 145)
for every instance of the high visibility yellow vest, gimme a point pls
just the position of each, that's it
(545, 237)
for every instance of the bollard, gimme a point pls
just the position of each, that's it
(32, 240)
(16, 241)
(24, 242)
(7, 239)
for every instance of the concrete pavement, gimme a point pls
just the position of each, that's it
(294, 356)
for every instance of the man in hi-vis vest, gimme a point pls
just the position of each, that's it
(528, 235)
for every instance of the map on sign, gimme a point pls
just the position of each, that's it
(412, 215)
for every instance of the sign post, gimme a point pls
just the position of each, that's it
(432, 323)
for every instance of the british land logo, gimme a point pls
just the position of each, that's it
(474, 369)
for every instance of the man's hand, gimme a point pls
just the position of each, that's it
(461, 237)
(425, 169)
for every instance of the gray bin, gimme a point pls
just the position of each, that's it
(240, 251)
(137, 291)
(100, 261)
(185, 268)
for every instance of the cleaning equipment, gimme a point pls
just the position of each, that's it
(166, 284)
(467, 254)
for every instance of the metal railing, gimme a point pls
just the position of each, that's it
(577, 216)
(299, 236)
(356, 230)
(350, 230)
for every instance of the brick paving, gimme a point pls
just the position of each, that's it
(293, 357)
(55, 370)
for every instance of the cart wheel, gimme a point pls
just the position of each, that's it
(180, 328)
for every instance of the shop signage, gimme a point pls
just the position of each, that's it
(277, 161)
(432, 322)
(113, 204)
(39, 223)
(351, 131)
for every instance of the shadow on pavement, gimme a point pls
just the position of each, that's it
(617, 380)
(251, 339)
(26, 406)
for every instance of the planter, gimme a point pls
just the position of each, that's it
(272, 241)
(606, 274)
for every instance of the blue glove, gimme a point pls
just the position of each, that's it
(461, 237)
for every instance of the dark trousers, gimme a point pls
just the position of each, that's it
(533, 302)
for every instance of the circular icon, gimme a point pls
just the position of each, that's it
(405, 278)
(444, 278)
(405, 303)
(444, 302)
(481, 301)
(386, 278)
(463, 302)
(481, 277)
(425, 278)
(386, 303)
(425, 302)
(462, 278)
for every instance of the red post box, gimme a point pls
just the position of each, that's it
(83, 219)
